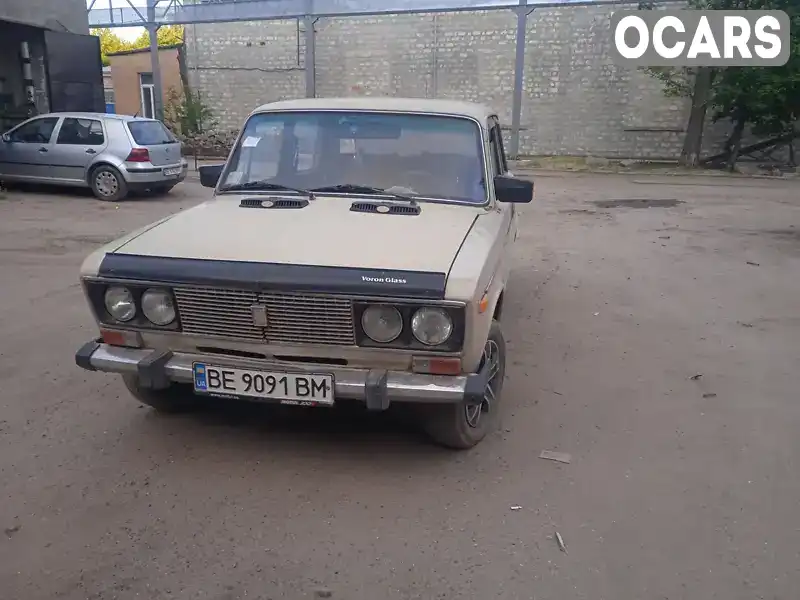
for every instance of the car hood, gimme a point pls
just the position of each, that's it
(324, 233)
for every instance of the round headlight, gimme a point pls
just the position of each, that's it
(382, 323)
(119, 303)
(431, 326)
(158, 307)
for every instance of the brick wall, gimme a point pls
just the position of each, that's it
(239, 66)
(125, 71)
(576, 101)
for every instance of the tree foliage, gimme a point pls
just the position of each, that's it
(186, 113)
(766, 98)
(168, 35)
(110, 42)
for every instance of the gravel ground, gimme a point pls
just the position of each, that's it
(679, 487)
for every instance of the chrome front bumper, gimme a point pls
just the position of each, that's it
(377, 388)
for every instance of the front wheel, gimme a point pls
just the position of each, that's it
(463, 425)
(108, 184)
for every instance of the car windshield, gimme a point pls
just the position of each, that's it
(150, 133)
(426, 156)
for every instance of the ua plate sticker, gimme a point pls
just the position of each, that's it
(200, 381)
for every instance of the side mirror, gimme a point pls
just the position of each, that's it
(210, 174)
(6, 138)
(511, 189)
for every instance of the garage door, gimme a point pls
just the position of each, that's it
(74, 72)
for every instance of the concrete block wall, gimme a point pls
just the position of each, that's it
(576, 101)
(239, 66)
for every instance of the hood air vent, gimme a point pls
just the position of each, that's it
(274, 203)
(385, 208)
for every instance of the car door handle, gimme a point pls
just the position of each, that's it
(91, 151)
(42, 149)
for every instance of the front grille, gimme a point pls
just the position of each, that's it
(291, 318)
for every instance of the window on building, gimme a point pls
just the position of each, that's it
(81, 132)
(148, 96)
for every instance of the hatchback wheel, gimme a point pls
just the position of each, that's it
(108, 184)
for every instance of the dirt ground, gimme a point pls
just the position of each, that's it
(658, 343)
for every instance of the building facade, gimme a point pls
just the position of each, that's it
(132, 79)
(108, 91)
(48, 60)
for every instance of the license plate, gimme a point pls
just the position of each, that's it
(175, 171)
(303, 389)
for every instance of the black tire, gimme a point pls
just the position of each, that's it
(462, 426)
(174, 399)
(108, 184)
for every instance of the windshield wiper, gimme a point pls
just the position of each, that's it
(353, 188)
(266, 185)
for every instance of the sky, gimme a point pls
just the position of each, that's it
(126, 33)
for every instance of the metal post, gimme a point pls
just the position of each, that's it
(155, 65)
(27, 77)
(519, 72)
(310, 62)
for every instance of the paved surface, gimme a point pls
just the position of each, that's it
(678, 488)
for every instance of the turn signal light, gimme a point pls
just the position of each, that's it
(130, 339)
(483, 304)
(138, 155)
(437, 366)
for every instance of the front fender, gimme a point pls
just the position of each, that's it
(479, 269)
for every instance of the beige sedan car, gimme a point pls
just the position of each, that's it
(354, 249)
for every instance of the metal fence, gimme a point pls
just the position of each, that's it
(105, 13)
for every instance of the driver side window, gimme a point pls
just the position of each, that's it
(38, 131)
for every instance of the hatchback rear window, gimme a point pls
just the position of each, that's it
(150, 133)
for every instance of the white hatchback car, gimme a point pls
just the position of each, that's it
(355, 248)
(111, 154)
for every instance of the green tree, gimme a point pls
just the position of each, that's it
(168, 35)
(110, 42)
(187, 114)
(768, 98)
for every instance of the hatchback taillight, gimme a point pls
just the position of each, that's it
(138, 155)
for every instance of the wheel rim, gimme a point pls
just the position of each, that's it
(106, 183)
(475, 411)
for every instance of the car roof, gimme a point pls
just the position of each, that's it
(94, 115)
(474, 110)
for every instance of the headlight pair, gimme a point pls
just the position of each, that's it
(156, 304)
(430, 325)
